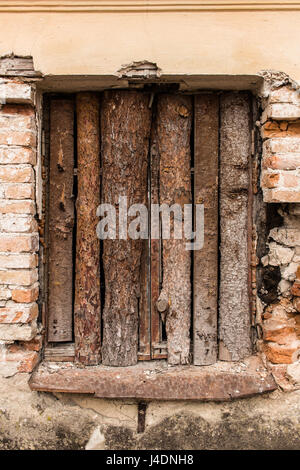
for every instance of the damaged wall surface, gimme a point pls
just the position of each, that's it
(183, 38)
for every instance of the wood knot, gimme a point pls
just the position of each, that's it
(162, 305)
(183, 111)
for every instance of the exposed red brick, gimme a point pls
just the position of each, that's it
(273, 129)
(16, 174)
(25, 295)
(281, 195)
(289, 180)
(20, 277)
(296, 303)
(18, 261)
(18, 109)
(19, 190)
(11, 155)
(277, 332)
(18, 223)
(28, 362)
(17, 92)
(295, 290)
(21, 314)
(17, 207)
(34, 345)
(282, 354)
(23, 138)
(282, 162)
(270, 180)
(16, 243)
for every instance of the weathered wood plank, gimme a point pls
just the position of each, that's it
(144, 307)
(205, 289)
(61, 220)
(155, 246)
(64, 352)
(125, 126)
(174, 120)
(222, 383)
(87, 305)
(235, 156)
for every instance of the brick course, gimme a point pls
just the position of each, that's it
(280, 131)
(18, 228)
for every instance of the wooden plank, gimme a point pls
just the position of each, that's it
(156, 381)
(62, 352)
(87, 305)
(155, 247)
(144, 307)
(205, 289)
(174, 121)
(144, 353)
(61, 220)
(125, 131)
(235, 157)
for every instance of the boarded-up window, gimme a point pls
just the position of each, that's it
(121, 300)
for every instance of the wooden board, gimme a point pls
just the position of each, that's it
(156, 252)
(125, 131)
(156, 381)
(62, 352)
(205, 288)
(87, 304)
(144, 306)
(61, 220)
(174, 121)
(235, 157)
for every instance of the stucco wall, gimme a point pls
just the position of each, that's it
(220, 41)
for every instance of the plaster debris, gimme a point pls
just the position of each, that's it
(96, 441)
(141, 69)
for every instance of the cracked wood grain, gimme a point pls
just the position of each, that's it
(87, 305)
(205, 289)
(125, 128)
(235, 155)
(174, 121)
(61, 220)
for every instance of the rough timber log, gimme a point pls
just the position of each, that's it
(235, 155)
(61, 221)
(87, 277)
(174, 119)
(206, 155)
(125, 130)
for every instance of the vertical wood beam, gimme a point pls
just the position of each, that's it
(206, 154)
(125, 126)
(155, 261)
(235, 157)
(61, 220)
(87, 304)
(174, 120)
(144, 307)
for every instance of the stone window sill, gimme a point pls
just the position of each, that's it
(222, 381)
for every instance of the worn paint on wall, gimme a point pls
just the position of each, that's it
(199, 42)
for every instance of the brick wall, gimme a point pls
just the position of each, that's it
(19, 339)
(280, 131)
(280, 182)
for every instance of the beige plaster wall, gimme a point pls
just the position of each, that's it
(182, 42)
